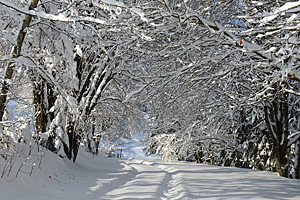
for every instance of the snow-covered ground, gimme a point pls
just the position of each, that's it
(98, 177)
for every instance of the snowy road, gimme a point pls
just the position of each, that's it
(111, 179)
(161, 180)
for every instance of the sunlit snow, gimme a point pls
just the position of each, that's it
(98, 177)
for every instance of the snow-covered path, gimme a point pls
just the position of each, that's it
(101, 178)
(161, 180)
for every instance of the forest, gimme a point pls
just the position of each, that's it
(209, 81)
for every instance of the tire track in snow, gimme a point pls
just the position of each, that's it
(148, 183)
(116, 180)
(164, 188)
(175, 189)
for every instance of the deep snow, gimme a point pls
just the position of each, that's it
(98, 177)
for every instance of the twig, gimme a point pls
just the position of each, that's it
(19, 169)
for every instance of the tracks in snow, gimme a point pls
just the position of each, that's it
(185, 181)
(174, 185)
(150, 181)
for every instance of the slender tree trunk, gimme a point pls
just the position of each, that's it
(76, 146)
(74, 138)
(297, 158)
(38, 101)
(70, 130)
(4, 89)
(16, 50)
(199, 154)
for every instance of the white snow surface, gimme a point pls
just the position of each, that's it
(98, 177)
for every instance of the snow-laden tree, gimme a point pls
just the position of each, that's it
(80, 54)
(256, 62)
(193, 92)
(74, 50)
(274, 33)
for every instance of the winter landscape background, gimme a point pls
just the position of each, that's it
(149, 99)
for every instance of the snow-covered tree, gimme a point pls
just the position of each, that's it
(79, 54)
(255, 68)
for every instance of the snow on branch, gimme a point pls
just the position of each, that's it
(285, 7)
(60, 17)
(135, 10)
(292, 92)
(132, 93)
(293, 138)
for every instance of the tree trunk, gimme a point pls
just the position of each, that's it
(280, 161)
(43, 100)
(199, 154)
(297, 160)
(276, 119)
(70, 132)
(74, 138)
(16, 50)
(38, 101)
(4, 89)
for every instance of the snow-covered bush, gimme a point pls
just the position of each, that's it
(166, 145)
